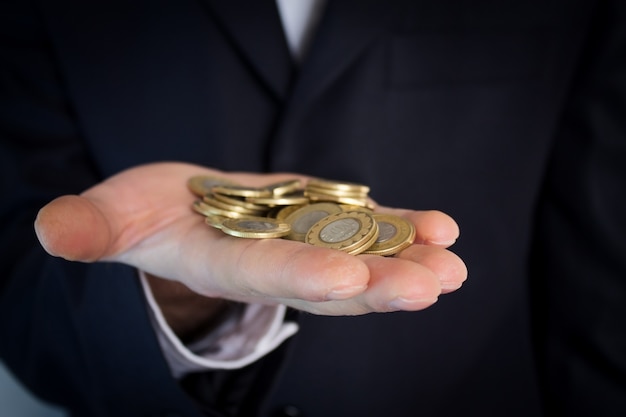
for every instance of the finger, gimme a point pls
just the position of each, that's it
(398, 284)
(395, 284)
(73, 228)
(118, 213)
(277, 268)
(450, 270)
(433, 227)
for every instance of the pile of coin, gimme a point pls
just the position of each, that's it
(325, 213)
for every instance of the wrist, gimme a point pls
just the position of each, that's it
(189, 314)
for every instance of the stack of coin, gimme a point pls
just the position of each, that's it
(324, 213)
(338, 192)
(350, 231)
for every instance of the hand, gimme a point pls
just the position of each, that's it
(143, 217)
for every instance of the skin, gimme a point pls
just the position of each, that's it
(142, 217)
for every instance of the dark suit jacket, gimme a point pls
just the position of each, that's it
(508, 115)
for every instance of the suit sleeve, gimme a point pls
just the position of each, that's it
(77, 334)
(580, 267)
(48, 307)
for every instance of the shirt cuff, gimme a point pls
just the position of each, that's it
(241, 339)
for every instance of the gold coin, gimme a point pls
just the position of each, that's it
(209, 210)
(284, 187)
(202, 184)
(360, 202)
(396, 234)
(241, 191)
(282, 212)
(211, 200)
(214, 221)
(338, 193)
(255, 228)
(366, 243)
(238, 201)
(332, 195)
(348, 207)
(201, 207)
(340, 186)
(302, 219)
(346, 231)
(285, 200)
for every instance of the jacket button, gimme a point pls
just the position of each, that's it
(288, 411)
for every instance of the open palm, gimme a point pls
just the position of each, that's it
(143, 217)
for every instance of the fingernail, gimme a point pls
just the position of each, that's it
(453, 285)
(440, 242)
(345, 292)
(401, 303)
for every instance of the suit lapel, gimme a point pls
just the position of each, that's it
(346, 28)
(256, 32)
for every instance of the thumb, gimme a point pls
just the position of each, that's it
(72, 227)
